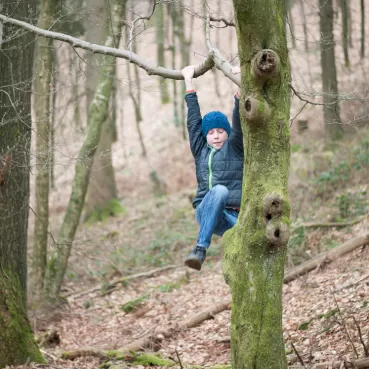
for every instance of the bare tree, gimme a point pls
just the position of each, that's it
(331, 109)
(17, 345)
(42, 91)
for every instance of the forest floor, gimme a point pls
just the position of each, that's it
(322, 310)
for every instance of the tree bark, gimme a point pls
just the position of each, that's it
(331, 112)
(254, 250)
(17, 344)
(345, 30)
(102, 186)
(42, 92)
(159, 12)
(98, 111)
(362, 48)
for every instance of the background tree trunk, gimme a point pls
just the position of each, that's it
(42, 92)
(362, 48)
(98, 111)
(254, 252)
(331, 111)
(16, 340)
(345, 30)
(102, 187)
(159, 13)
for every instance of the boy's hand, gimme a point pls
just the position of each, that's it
(236, 70)
(188, 72)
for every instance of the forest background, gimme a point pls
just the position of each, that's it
(154, 176)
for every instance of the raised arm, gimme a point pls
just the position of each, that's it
(236, 139)
(197, 141)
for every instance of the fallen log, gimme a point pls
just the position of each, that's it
(357, 364)
(326, 257)
(332, 224)
(121, 280)
(154, 338)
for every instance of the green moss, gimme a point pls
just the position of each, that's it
(17, 344)
(133, 305)
(111, 208)
(151, 359)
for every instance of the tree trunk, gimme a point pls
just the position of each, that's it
(332, 121)
(17, 345)
(362, 48)
(185, 43)
(42, 91)
(98, 111)
(102, 187)
(345, 30)
(304, 22)
(254, 252)
(159, 12)
(173, 10)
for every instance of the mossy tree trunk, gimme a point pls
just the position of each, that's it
(102, 188)
(331, 110)
(17, 345)
(42, 90)
(159, 13)
(98, 111)
(254, 250)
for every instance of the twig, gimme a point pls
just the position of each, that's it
(366, 351)
(179, 359)
(344, 325)
(220, 62)
(298, 355)
(227, 23)
(291, 121)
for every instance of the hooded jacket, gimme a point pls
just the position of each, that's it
(216, 167)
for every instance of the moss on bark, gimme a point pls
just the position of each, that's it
(17, 345)
(255, 249)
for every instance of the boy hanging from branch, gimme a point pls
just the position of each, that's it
(218, 152)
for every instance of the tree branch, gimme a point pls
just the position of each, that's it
(150, 68)
(220, 62)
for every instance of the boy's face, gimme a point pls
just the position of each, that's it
(217, 137)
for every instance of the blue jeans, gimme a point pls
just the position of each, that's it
(213, 216)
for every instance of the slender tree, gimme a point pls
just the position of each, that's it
(98, 111)
(17, 345)
(345, 30)
(254, 252)
(331, 111)
(362, 48)
(159, 13)
(102, 188)
(42, 92)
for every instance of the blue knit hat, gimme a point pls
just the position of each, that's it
(215, 119)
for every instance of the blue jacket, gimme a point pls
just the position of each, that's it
(213, 167)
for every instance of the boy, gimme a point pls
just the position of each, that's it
(218, 152)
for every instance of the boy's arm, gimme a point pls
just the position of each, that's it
(197, 141)
(236, 135)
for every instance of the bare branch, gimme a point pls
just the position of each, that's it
(220, 62)
(132, 27)
(150, 68)
(226, 23)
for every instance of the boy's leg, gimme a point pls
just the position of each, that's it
(209, 214)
